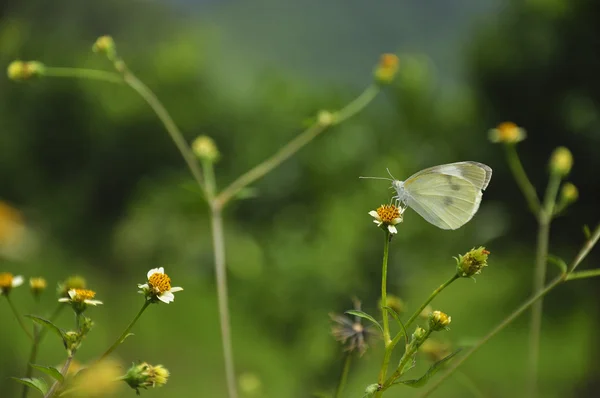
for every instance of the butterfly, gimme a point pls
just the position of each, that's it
(447, 196)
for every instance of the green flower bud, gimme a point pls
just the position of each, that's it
(145, 375)
(419, 334)
(371, 390)
(439, 321)
(387, 69)
(569, 193)
(72, 341)
(205, 148)
(325, 118)
(37, 286)
(21, 71)
(561, 161)
(472, 262)
(105, 45)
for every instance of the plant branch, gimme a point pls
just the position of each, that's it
(81, 73)
(123, 335)
(522, 180)
(344, 376)
(19, 319)
(63, 371)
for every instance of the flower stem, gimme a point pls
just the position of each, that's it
(63, 371)
(408, 355)
(19, 319)
(344, 376)
(384, 268)
(544, 220)
(584, 274)
(587, 247)
(125, 332)
(522, 180)
(81, 73)
(294, 146)
(437, 291)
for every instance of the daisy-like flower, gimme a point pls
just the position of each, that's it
(8, 282)
(144, 375)
(388, 216)
(80, 299)
(159, 286)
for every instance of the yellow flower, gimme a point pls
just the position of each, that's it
(387, 68)
(145, 375)
(439, 321)
(507, 133)
(561, 161)
(8, 282)
(72, 282)
(37, 285)
(388, 216)
(159, 286)
(80, 299)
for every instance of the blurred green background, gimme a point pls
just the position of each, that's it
(104, 193)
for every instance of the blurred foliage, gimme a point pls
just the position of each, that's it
(105, 194)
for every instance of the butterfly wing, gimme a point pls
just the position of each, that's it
(448, 196)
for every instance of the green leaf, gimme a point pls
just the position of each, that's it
(558, 262)
(38, 384)
(50, 371)
(125, 337)
(397, 318)
(47, 324)
(366, 316)
(436, 367)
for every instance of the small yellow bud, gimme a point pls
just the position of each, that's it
(439, 321)
(419, 334)
(37, 285)
(507, 133)
(472, 262)
(105, 45)
(386, 70)
(205, 148)
(21, 71)
(561, 161)
(325, 118)
(145, 375)
(569, 193)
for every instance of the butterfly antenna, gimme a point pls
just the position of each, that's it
(376, 178)
(388, 170)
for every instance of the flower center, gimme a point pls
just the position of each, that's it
(160, 283)
(357, 327)
(83, 294)
(6, 280)
(508, 131)
(388, 213)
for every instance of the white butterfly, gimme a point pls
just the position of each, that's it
(448, 195)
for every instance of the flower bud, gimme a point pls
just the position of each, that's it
(325, 118)
(386, 70)
(561, 161)
(105, 45)
(21, 71)
(371, 390)
(72, 282)
(439, 321)
(72, 341)
(145, 375)
(569, 193)
(37, 285)
(507, 133)
(419, 334)
(205, 148)
(472, 262)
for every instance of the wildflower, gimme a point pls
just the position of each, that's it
(21, 70)
(8, 282)
(37, 285)
(72, 282)
(145, 375)
(387, 216)
(351, 332)
(439, 321)
(472, 262)
(569, 193)
(561, 161)
(205, 148)
(159, 286)
(105, 45)
(387, 69)
(507, 133)
(80, 299)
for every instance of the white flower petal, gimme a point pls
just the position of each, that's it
(17, 281)
(155, 271)
(144, 286)
(176, 289)
(392, 229)
(374, 214)
(166, 297)
(397, 220)
(72, 293)
(64, 300)
(93, 302)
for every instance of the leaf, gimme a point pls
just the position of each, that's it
(50, 371)
(366, 316)
(397, 318)
(558, 262)
(38, 384)
(47, 324)
(247, 193)
(125, 337)
(436, 367)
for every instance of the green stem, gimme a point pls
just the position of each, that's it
(384, 269)
(406, 357)
(584, 274)
(587, 247)
(125, 332)
(294, 146)
(63, 371)
(344, 376)
(80, 73)
(14, 310)
(437, 291)
(541, 261)
(522, 180)
(469, 384)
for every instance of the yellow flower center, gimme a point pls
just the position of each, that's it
(160, 283)
(6, 280)
(388, 213)
(83, 294)
(508, 131)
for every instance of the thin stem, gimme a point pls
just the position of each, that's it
(587, 247)
(469, 384)
(80, 73)
(14, 310)
(437, 291)
(406, 358)
(167, 121)
(522, 180)
(541, 261)
(125, 332)
(63, 371)
(384, 268)
(294, 146)
(344, 376)
(223, 299)
(584, 274)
